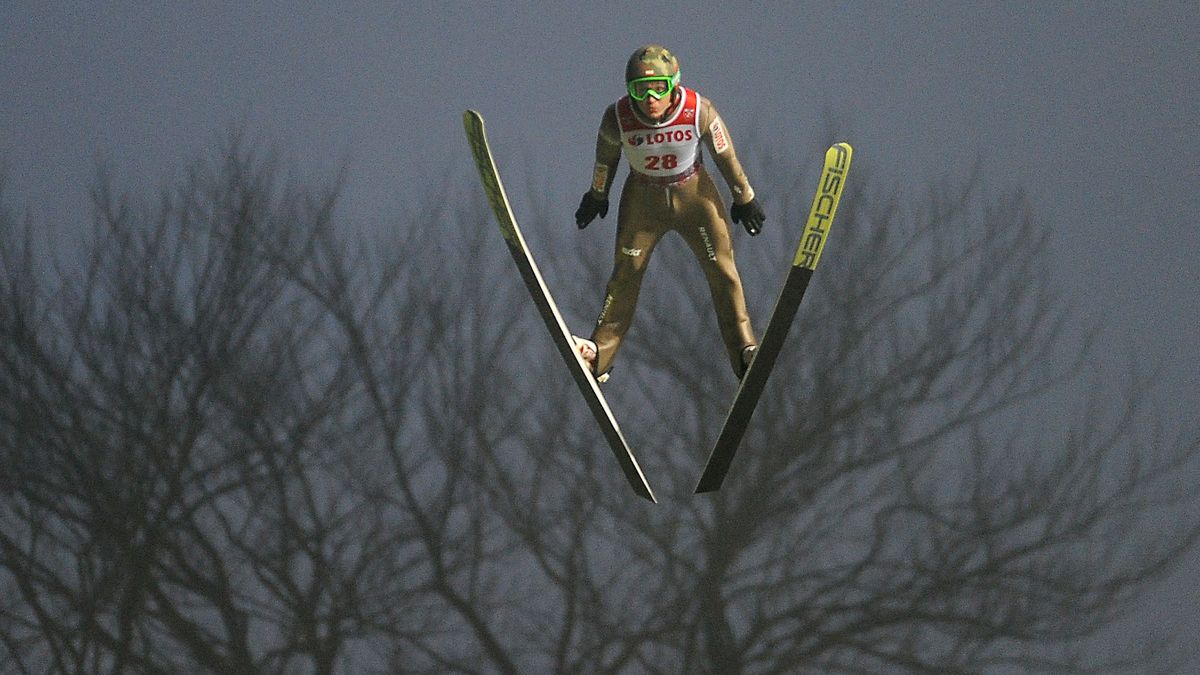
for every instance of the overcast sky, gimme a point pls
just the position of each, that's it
(1094, 108)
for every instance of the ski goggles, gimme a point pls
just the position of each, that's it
(658, 86)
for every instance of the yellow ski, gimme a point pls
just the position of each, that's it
(808, 254)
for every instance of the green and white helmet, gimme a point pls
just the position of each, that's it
(652, 70)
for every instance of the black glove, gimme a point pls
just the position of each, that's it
(589, 208)
(750, 215)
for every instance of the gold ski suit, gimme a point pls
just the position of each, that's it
(669, 189)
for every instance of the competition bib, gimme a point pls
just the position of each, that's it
(666, 151)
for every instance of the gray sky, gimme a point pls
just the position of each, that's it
(1093, 107)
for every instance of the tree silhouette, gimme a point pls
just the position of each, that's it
(920, 490)
(240, 438)
(179, 491)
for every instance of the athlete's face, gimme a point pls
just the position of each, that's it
(656, 108)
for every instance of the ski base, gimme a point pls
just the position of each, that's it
(490, 177)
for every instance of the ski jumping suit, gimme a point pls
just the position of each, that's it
(667, 189)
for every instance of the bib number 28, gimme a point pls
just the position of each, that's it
(656, 162)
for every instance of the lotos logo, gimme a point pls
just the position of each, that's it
(676, 136)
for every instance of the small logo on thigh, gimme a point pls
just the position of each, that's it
(608, 300)
(631, 252)
(708, 247)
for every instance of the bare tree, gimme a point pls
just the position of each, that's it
(179, 491)
(235, 442)
(922, 489)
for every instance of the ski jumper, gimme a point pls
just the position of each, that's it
(669, 189)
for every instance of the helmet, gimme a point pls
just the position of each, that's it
(652, 70)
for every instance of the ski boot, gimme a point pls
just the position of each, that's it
(747, 356)
(588, 352)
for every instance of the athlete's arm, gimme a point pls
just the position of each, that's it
(720, 148)
(745, 210)
(608, 154)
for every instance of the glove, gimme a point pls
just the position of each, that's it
(589, 208)
(750, 215)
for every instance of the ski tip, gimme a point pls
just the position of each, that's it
(838, 155)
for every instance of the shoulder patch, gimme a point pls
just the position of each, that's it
(600, 177)
(720, 138)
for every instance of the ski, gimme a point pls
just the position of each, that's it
(473, 122)
(808, 254)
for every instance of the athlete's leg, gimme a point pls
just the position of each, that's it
(707, 232)
(639, 228)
